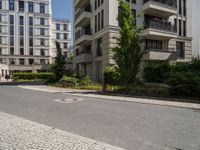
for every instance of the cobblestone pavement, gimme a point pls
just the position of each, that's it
(20, 134)
(91, 94)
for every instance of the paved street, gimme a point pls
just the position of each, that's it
(123, 124)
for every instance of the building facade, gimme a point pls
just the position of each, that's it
(167, 32)
(195, 27)
(61, 32)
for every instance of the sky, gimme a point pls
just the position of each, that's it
(62, 9)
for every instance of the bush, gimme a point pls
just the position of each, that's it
(156, 72)
(33, 76)
(111, 76)
(68, 81)
(85, 81)
(184, 84)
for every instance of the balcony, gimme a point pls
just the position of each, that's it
(83, 36)
(160, 54)
(83, 16)
(161, 8)
(158, 30)
(84, 57)
(78, 3)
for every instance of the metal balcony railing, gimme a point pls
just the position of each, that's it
(159, 25)
(171, 3)
(80, 33)
(87, 8)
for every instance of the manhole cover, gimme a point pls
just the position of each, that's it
(172, 148)
(68, 100)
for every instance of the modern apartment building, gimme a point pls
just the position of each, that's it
(61, 32)
(25, 34)
(196, 27)
(167, 32)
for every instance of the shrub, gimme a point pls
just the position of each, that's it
(111, 76)
(156, 72)
(33, 76)
(66, 81)
(184, 84)
(86, 81)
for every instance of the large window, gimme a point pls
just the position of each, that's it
(11, 5)
(57, 26)
(65, 27)
(11, 41)
(21, 30)
(21, 20)
(12, 19)
(0, 4)
(0, 28)
(21, 51)
(42, 52)
(21, 43)
(99, 47)
(42, 31)
(42, 42)
(42, 21)
(30, 7)
(58, 36)
(30, 42)
(21, 6)
(42, 8)
(30, 21)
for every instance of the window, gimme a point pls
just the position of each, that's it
(21, 20)
(42, 21)
(11, 5)
(12, 19)
(0, 4)
(0, 28)
(102, 19)
(57, 26)
(31, 61)
(21, 6)
(42, 61)
(21, 42)
(30, 21)
(0, 52)
(180, 46)
(65, 45)
(11, 30)
(21, 61)
(30, 42)
(30, 7)
(30, 31)
(42, 31)
(65, 27)
(95, 23)
(65, 36)
(21, 51)
(58, 36)
(21, 30)
(31, 51)
(42, 8)
(99, 47)
(0, 18)
(0, 40)
(99, 25)
(11, 41)
(12, 51)
(42, 52)
(42, 42)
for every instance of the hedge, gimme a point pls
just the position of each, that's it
(111, 76)
(33, 76)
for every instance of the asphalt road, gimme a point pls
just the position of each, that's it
(128, 125)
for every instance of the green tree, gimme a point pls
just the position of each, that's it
(128, 53)
(59, 66)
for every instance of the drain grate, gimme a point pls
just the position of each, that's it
(68, 100)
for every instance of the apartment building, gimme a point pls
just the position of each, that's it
(166, 36)
(61, 32)
(25, 34)
(196, 27)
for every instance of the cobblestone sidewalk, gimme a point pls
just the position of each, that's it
(20, 134)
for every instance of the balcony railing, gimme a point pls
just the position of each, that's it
(82, 32)
(171, 3)
(159, 25)
(84, 9)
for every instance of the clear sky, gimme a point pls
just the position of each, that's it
(62, 9)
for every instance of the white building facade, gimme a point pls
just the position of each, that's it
(167, 32)
(61, 32)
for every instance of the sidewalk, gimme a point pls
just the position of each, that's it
(94, 94)
(20, 134)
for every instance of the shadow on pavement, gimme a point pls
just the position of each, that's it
(20, 83)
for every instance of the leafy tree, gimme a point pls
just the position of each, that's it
(59, 66)
(128, 53)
